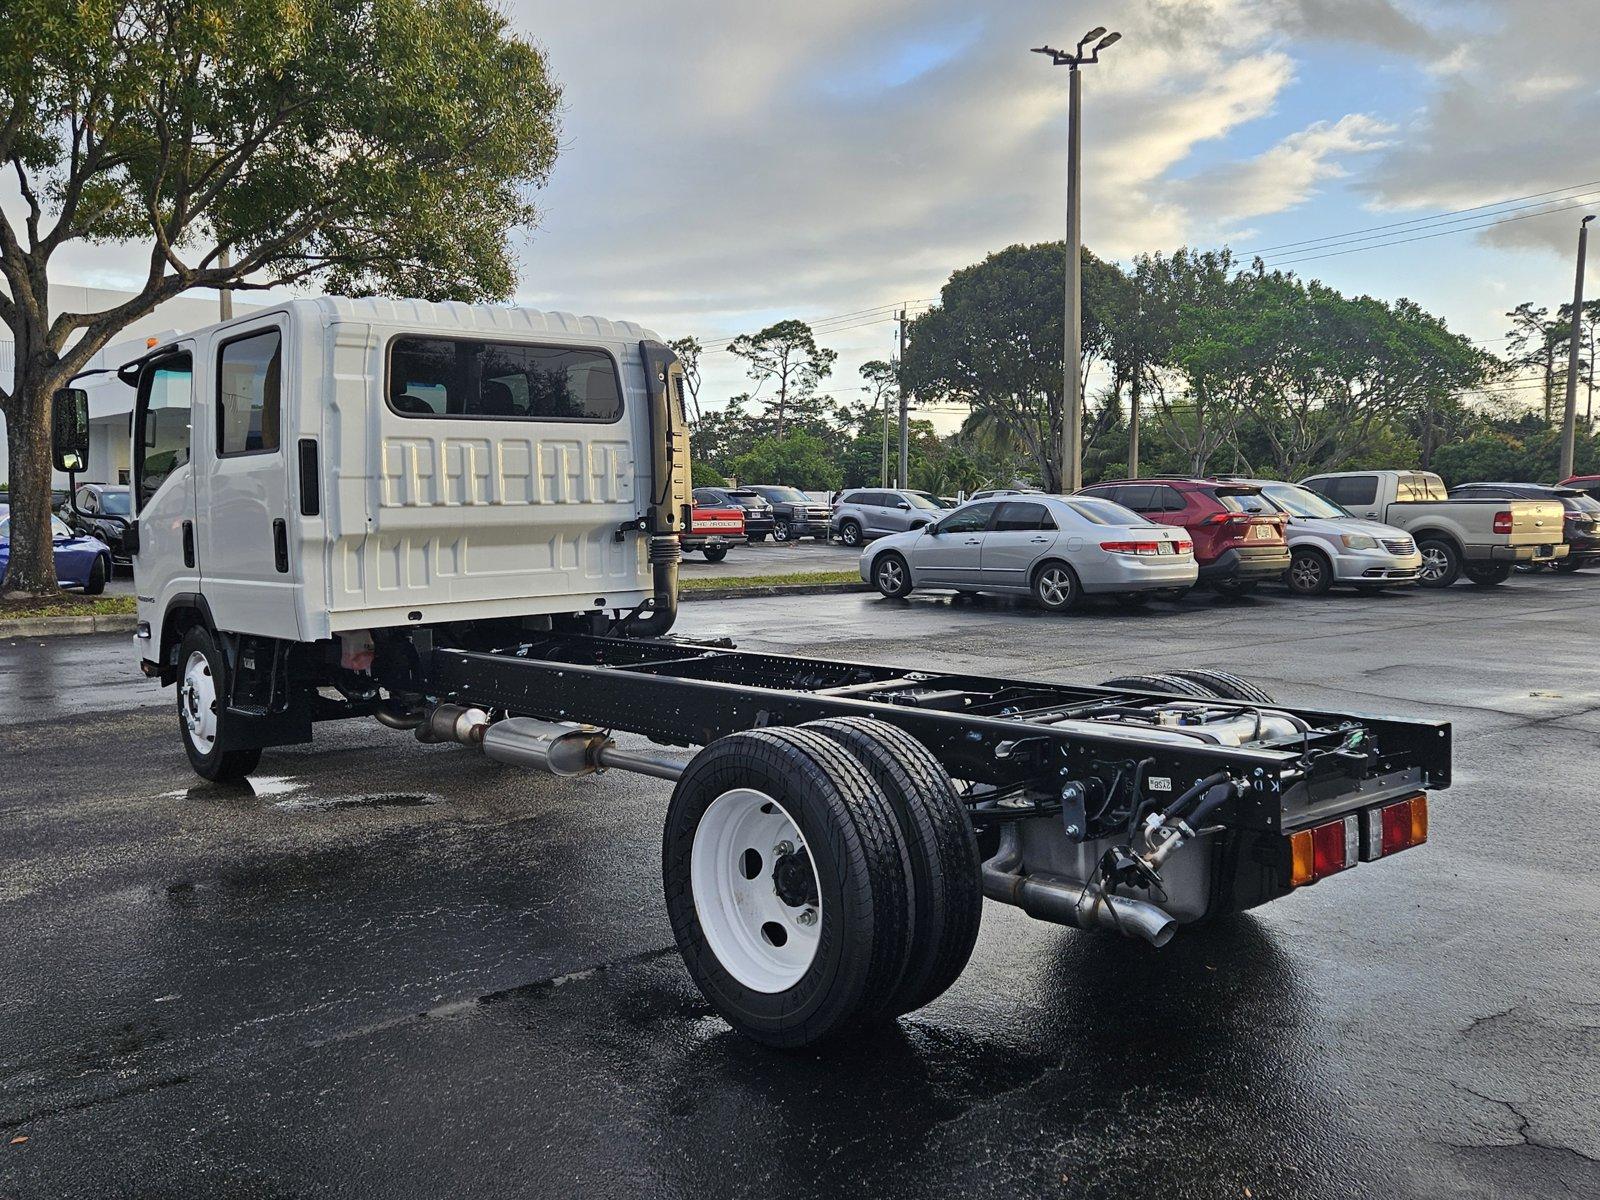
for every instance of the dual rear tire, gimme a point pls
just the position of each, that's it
(819, 878)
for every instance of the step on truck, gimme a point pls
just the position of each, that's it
(463, 522)
(1456, 536)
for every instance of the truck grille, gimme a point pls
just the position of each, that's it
(1399, 545)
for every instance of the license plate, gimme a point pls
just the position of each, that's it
(1262, 531)
(717, 524)
(1545, 552)
(1165, 548)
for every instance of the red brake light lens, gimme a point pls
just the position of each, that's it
(1131, 547)
(1502, 522)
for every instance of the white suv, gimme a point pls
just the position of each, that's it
(866, 513)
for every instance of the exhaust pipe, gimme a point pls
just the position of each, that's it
(548, 746)
(1063, 901)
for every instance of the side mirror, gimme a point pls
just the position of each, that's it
(934, 529)
(69, 429)
(919, 525)
(903, 506)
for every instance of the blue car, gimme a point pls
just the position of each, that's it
(81, 562)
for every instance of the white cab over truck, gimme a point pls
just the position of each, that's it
(1481, 539)
(464, 522)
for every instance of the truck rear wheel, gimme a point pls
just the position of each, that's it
(1174, 685)
(1224, 685)
(946, 887)
(1487, 574)
(203, 710)
(716, 553)
(787, 885)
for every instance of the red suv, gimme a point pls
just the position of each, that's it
(1238, 537)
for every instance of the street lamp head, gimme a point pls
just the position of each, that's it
(1090, 36)
(1106, 41)
(1586, 220)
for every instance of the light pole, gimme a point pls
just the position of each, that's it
(1569, 420)
(1070, 450)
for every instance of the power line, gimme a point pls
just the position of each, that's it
(1427, 220)
(1422, 237)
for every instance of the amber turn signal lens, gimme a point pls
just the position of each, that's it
(1302, 858)
(1419, 819)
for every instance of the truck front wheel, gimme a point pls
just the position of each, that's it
(1441, 563)
(787, 885)
(203, 710)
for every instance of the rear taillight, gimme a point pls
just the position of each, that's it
(1502, 522)
(1374, 833)
(1183, 547)
(1131, 547)
(1324, 850)
(1394, 827)
(1222, 518)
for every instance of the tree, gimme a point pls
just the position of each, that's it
(376, 147)
(882, 380)
(688, 349)
(787, 354)
(798, 459)
(705, 475)
(1533, 342)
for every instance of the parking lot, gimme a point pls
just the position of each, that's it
(393, 970)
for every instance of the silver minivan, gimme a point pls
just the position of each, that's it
(866, 513)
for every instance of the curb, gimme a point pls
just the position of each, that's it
(62, 626)
(772, 589)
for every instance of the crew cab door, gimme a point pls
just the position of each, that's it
(167, 560)
(244, 496)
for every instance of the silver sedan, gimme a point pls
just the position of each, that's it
(1055, 548)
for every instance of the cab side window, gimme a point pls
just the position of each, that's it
(249, 382)
(162, 444)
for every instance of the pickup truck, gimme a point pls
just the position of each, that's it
(1479, 538)
(713, 528)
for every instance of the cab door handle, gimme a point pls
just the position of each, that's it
(188, 543)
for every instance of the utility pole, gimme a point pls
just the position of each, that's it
(1570, 418)
(224, 295)
(1134, 391)
(904, 477)
(883, 470)
(1070, 450)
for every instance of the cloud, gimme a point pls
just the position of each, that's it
(1285, 175)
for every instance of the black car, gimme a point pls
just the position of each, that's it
(758, 519)
(102, 510)
(796, 515)
(1580, 523)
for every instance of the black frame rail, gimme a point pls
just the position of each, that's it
(984, 730)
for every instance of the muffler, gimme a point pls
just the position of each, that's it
(1049, 897)
(548, 746)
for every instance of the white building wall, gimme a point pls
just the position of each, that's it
(109, 401)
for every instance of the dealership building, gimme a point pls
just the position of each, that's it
(110, 401)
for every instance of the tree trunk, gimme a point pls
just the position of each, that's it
(1133, 425)
(32, 569)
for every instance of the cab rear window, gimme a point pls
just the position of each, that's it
(472, 379)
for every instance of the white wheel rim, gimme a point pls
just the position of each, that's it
(890, 576)
(1055, 586)
(760, 938)
(197, 702)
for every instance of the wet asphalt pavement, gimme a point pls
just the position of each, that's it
(389, 970)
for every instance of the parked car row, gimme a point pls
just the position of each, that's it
(82, 561)
(1138, 538)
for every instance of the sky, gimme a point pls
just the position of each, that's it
(726, 164)
(729, 163)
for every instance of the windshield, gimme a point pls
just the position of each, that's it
(1302, 502)
(784, 495)
(115, 503)
(1105, 512)
(923, 500)
(58, 529)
